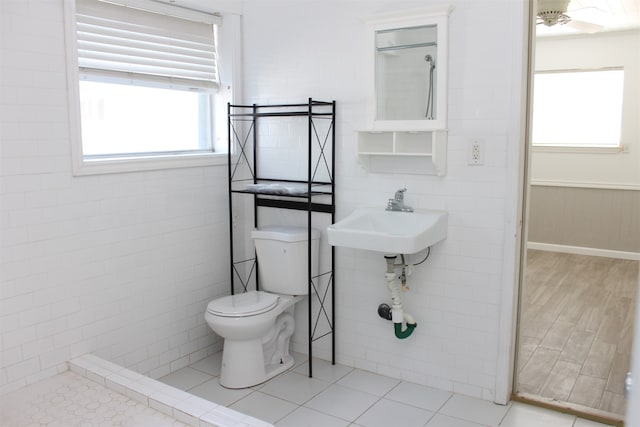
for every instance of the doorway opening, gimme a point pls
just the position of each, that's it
(582, 256)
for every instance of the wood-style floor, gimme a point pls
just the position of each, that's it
(576, 328)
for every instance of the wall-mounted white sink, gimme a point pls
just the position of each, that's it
(389, 232)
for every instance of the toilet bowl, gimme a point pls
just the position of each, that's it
(257, 325)
(250, 323)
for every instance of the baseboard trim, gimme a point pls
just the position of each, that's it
(579, 250)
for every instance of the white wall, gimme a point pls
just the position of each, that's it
(119, 265)
(295, 50)
(592, 51)
(123, 265)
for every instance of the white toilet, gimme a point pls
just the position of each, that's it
(257, 325)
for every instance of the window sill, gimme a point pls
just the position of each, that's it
(586, 150)
(124, 165)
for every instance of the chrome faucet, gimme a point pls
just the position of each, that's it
(397, 203)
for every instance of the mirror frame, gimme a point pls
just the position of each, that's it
(407, 19)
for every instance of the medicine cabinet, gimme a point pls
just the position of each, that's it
(409, 65)
(408, 108)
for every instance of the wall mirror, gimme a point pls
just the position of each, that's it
(410, 70)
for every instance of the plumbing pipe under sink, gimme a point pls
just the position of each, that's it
(398, 315)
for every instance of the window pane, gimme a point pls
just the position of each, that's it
(578, 109)
(125, 119)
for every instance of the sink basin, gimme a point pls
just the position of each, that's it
(389, 232)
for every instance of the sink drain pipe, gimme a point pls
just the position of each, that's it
(398, 315)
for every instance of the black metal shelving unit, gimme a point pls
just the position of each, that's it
(314, 195)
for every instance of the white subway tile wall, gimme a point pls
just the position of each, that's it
(118, 265)
(123, 265)
(319, 50)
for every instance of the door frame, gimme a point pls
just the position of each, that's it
(517, 216)
(516, 198)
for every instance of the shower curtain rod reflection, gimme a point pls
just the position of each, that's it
(406, 46)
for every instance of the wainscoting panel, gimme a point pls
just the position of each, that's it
(597, 218)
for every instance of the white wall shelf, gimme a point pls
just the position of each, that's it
(431, 145)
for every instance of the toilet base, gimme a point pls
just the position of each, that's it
(277, 369)
(248, 370)
(247, 362)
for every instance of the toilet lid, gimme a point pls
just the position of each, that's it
(247, 304)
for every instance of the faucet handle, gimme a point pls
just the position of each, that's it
(400, 194)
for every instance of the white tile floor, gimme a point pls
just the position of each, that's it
(340, 396)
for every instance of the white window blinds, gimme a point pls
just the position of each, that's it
(142, 47)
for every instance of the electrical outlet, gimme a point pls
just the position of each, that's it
(476, 152)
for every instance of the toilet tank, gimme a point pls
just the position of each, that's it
(283, 258)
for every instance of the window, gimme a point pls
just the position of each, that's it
(127, 120)
(147, 81)
(578, 109)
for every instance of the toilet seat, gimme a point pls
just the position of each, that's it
(246, 304)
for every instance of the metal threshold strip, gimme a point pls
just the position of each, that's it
(581, 411)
